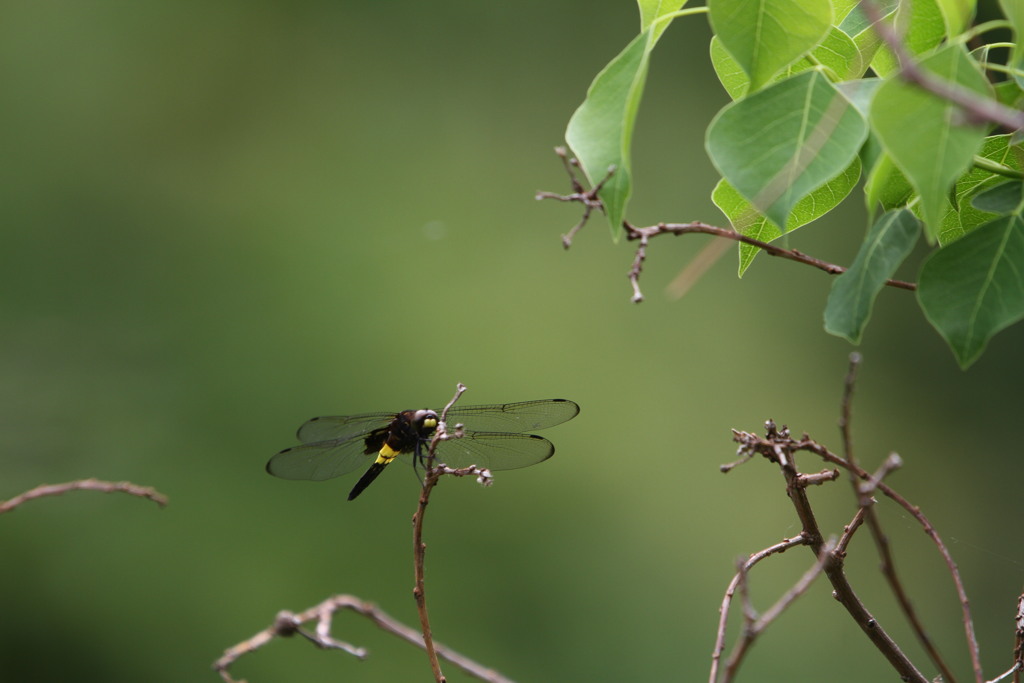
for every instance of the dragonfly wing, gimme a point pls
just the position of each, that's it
(495, 450)
(514, 417)
(341, 427)
(321, 460)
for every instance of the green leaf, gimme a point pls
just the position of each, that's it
(842, 8)
(922, 27)
(889, 241)
(1014, 12)
(860, 92)
(965, 216)
(837, 53)
(601, 130)
(973, 288)
(730, 74)
(860, 30)
(746, 219)
(886, 186)
(1009, 92)
(840, 55)
(1000, 199)
(854, 22)
(957, 15)
(920, 132)
(780, 144)
(766, 36)
(652, 10)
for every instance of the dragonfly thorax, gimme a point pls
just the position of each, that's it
(406, 432)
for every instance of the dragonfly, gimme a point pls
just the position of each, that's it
(494, 437)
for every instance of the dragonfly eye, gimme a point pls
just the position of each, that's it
(426, 419)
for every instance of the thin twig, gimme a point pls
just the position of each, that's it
(85, 485)
(1013, 670)
(866, 503)
(723, 611)
(798, 589)
(637, 266)
(848, 531)
(888, 569)
(754, 627)
(817, 478)
(979, 109)
(846, 411)
(579, 194)
(891, 463)
(287, 624)
(590, 201)
(645, 234)
(430, 480)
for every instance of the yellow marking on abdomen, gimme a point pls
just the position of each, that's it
(386, 455)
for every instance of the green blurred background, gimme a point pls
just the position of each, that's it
(223, 218)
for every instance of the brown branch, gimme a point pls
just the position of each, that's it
(844, 592)
(979, 109)
(287, 624)
(85, 485)
(590, 201)
(808, 444)
(771, 450)
(645, 234)
(779, 447)
(846, 411)
(419, 591)
(419, 547)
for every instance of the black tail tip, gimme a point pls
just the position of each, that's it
(371, 474)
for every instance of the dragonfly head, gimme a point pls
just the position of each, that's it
(425, 421)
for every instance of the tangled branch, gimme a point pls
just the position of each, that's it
(781, 448)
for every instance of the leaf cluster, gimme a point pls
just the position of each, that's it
(904, 96)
